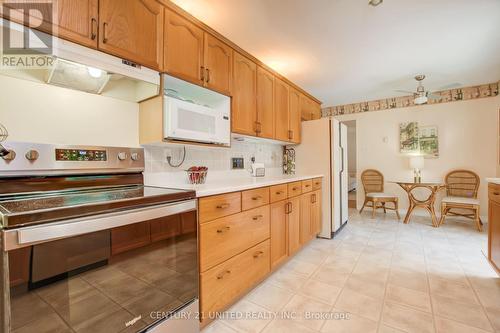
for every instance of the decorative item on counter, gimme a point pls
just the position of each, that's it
(197, 174)
(288, 161)
(417, 164)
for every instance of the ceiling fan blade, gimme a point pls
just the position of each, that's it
(405, 91)
(433, 95)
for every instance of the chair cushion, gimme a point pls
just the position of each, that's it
(379, 195)
(461, 200)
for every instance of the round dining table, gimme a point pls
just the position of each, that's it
(426, 203)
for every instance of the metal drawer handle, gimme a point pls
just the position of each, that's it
(202, 73)
(295, 188)
(221, 275)
(93, 25)
(258, 197)
(258, 254)
(279, 192)
(220, 231)
(496, 193)
(104, 38)
(223, 206)
(257, 217)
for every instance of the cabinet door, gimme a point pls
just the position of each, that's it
(293, 225)
(77, 21)
(74, 20)
(282, 120)
(132, 29)
(265, 103)
(279, 234)
(218, 64)
(294, 115)
(305, 218)
(183, 48)
(316, 213)
(244, 113)
(494, 232)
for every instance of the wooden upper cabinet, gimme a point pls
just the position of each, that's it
(77, 21)
(74, 20)
(244, 109)
(132, 29)
(309, 109)
(265, 103)
(183, 48)
(281, 101)
(294, 114)
(218, 64)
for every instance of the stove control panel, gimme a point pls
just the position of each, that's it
(80, 155)
(25, 158)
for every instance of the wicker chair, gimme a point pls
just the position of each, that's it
(373, 185)
(461, 193)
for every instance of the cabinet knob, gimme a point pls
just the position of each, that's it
(257, 217)
(221, 275)
(258, 254)
(223, 206)
(220, 231)
(257, 197)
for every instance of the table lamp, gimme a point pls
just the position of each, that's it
(417, 164)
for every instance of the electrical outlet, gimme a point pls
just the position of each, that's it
(237, 163)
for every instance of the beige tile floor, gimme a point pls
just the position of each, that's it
(379, 275)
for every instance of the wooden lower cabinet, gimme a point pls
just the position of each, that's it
(222, 284)
(305, 218)
(293, 225)
(316, 213)
(279, 232)
(225, 237)
(494, 225)
(253, 233)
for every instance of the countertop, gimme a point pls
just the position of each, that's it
(493, 180)
(218, 183)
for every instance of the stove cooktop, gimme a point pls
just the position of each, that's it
(43, 207)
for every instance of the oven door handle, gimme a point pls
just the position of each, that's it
(17, 238)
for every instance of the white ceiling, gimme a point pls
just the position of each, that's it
(344, 51)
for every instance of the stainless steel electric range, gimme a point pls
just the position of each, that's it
(88, 248)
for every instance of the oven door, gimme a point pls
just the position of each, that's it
(128, 271)
(192, 122)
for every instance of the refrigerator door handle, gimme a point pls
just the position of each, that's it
(342, 159)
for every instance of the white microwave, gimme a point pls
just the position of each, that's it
(205, 117)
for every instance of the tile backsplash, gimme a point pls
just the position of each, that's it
(215, 158)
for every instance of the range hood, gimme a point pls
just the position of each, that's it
(77, 67)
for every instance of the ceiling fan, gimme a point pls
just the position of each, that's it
(421, 95)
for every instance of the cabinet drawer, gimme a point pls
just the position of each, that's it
(279, 192)
(254, 198)
(317, 183)
(211, 208)
(307, 185)
(225, 237)
(294, 189)
(222, 284)
(494, 192)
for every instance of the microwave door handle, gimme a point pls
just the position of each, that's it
(23, 237)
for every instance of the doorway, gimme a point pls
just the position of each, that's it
(352, 184)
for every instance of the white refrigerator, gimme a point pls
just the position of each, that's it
(323, 150)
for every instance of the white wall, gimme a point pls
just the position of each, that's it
(467, 139)
(37, 112)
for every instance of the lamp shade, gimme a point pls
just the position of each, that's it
(417, 162)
